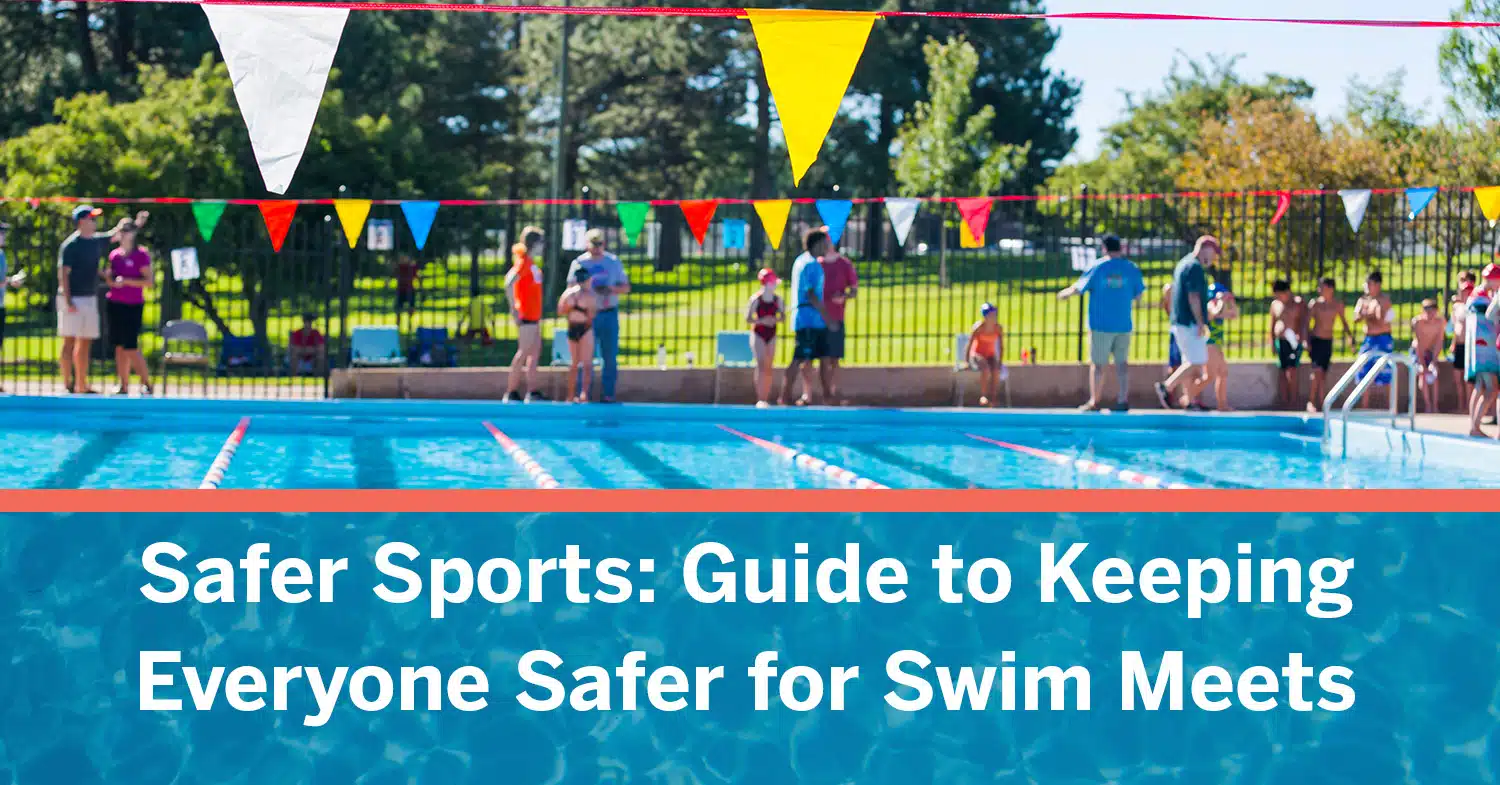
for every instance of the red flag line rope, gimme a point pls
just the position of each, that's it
(1084, 465)
(810, 464)
(1118, 16)
(220, 465)
(523, 459)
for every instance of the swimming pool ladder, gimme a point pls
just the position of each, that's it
(1381, 361)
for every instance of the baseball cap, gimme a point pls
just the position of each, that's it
(83, 211)
(767, 275)
(987, 309)
(1429, 303)
(594, 237)
(1491, 272)
(1206, 239)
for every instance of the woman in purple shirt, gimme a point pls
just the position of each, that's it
(129, 276)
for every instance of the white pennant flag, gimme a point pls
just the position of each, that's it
(1356, 202)
(278, 58)
(902, 213)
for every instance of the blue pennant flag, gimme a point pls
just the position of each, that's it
(1419, 199)
(834, 213)
(419, 217)
(735, 232)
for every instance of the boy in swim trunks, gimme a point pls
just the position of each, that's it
(986, 352)
(1374, 311)
(1426, 342)
(1458, 318)
(1288, 335)
(1481, 352)
(1322, 314)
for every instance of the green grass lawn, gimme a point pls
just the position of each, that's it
(902, 316)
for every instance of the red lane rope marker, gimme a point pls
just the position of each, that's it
(523, 459)
(171, 200)
(741, 12)
(1085, 465)
(220, 465)
(808, 463)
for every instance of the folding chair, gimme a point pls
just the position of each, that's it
(195, 337)
(238, 353)
(961, 365)
(732, 349)
(374, 347)
(432, 349)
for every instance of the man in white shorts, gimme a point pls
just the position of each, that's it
(1190, 325)
(78, 263)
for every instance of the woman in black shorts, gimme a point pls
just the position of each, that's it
(129, 276)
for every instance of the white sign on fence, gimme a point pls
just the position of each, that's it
(185, 264)
(575, 235)
(1084, 257)
(381, 236)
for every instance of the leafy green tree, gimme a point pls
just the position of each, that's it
(1470, 59)
(946, 146)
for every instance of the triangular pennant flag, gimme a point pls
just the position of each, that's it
(632, 219)
(975, 211)
(1419, 199)
(966, 238)
(207, 215)
(809, 58)
(1489, 202)
(278, 60)
(902, 213)
(278, 217)
(834, 213)
(419, 217)
(773, 213)
(352, 215)
(698, 214)
(1283, 203)
(1356, 202)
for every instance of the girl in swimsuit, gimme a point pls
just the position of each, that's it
(764, 313)
(1482, 354)
(986, 350)
(1221, 308)
(578, 305)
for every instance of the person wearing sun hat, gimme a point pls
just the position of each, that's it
(764, 312)
(78, 261)
(1483, 357)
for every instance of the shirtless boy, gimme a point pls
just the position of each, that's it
(1374, 311)
(1288, 335)
(1322, 315)
(1426, 345)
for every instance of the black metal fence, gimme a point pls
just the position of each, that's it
(913, 298)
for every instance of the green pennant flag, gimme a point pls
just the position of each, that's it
(207, 214)
(632, 219)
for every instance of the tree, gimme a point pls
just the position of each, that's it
(946, 145)
(1470, 59)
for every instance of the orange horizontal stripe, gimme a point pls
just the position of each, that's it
(739, 501)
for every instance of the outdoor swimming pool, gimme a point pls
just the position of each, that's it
(165, 443)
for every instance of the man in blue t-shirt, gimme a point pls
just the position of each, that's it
(808, 319)
(1113, 284)
(1190, 324)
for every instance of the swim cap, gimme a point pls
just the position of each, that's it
(987, 309)
(1491, 272)
(583, 275)
(767, 275)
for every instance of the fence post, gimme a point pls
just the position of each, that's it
(1322, 230)
(1087, 234)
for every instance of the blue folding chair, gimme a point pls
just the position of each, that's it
(732, 349)
(432, 349)
(238, 353)
(374, 347)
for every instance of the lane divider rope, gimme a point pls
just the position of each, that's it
(523, 459)
(220, 465)
(1085, 465)
(811, 464)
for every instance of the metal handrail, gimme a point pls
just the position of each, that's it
(1382, 360)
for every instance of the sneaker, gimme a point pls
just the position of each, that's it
(762, 405)
(1120, 406)
(536, 396)
(512, 396)
(122, 391)
(146, 391)
(1089, 407)
(1162, 396)
(1197, 407)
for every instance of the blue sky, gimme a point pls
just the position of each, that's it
(1111, 56)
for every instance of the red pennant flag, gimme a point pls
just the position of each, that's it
(698, 214)
(278, 216)
(976, 213)
(1283, 203)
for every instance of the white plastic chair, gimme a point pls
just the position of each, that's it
(961, 364)
(732, 349)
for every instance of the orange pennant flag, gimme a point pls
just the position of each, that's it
(278, 217)
(698, 214)
(975, 211)
(966, 238)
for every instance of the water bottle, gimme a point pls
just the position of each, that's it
(661, 356)
(688, 356)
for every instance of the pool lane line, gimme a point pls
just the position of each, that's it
(811, 464)
(220, 465)
(1083, 464)
(523, 459)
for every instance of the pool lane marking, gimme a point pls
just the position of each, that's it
(1083, 464)
(523, 459)
(220, 465)
(809, 463)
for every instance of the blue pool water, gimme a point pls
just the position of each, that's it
(74, 443)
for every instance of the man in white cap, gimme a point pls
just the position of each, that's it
(77, 299)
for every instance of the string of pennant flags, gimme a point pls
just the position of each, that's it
(279, 55)
(974, 211)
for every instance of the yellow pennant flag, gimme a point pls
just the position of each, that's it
(773, 214)
(966, 238)
(352, 215)
(809, 58)
(1489, 202)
